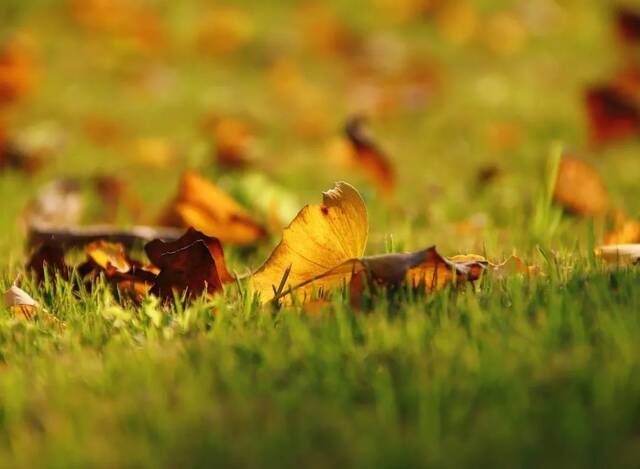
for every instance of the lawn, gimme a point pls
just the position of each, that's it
(513, 371)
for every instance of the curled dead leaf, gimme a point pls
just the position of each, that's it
(369, 156)
(157, 248)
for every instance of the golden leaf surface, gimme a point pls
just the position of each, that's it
(321, 237)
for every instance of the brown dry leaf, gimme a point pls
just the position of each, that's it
(207, 208)
(580, 189)
(369, 156)
(17, 70)
(320, 238)
(224, 30)
(188, 271)
(48, 258)
(157, 248)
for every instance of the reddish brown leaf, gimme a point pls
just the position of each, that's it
(157, 248)
(50, 258)
(612, 115)
(188, 271)
(369, 156)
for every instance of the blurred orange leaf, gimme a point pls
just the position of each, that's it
(580, 189)
(207, 208)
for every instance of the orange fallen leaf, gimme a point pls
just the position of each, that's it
(369, 156)
(580, 189)
(207, 208)
(626, 231)
(125, 19)
(17, 71)
(105, 254)
(233, 138)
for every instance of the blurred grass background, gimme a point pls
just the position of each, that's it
(515, 374)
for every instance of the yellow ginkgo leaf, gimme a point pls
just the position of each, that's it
(320, 238)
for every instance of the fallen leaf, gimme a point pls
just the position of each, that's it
(369, 156)
(580, 189)
(320, 238)
(322, 249)
(612, 115)
(124, 19)
(21, 304)
(105, 254)
(626, 231)
(17, 70)
(207, 208)
(623, 254)
(157, 248)
(49, 258)
(234, 139)
(188, 271)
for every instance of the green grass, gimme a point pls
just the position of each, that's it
(511, 372)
